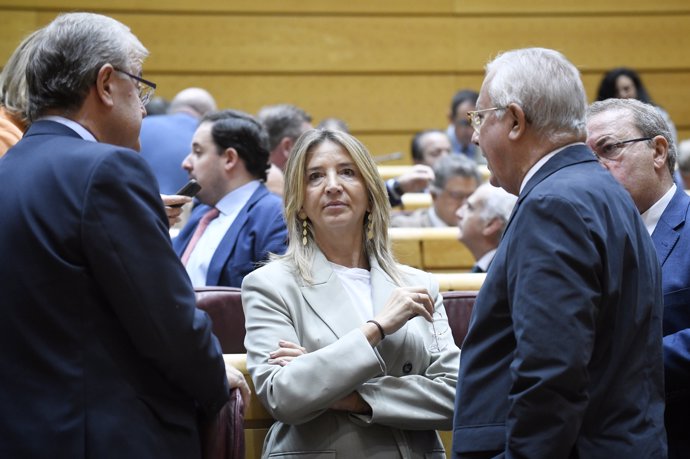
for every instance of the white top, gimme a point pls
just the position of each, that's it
(229, 207)
(357, 283)
(653, 214)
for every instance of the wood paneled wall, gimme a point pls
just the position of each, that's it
(388, 67)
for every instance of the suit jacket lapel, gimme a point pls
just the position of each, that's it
(328, 299)
(227, 245)
(666, 233)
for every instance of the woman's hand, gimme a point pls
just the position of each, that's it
(285, 353)
(403, 304)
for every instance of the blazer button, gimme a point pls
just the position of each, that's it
(407, 367)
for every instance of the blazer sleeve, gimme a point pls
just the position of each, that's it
(310, 384)
(126, 239)
(550, 363)
(425, 400)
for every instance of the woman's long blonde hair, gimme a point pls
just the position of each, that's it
(378, 246)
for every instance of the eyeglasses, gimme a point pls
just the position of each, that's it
(612, 151)
(476, 118)
(146, 87)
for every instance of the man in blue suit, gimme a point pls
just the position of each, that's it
(635, 144)
(239, 222)
(563, 356)
(103, 351)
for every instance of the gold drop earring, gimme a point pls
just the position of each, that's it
(370, 227)
(304, 232)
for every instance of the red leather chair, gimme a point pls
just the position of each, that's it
(223, 436)
(224, 306)
(459, 306)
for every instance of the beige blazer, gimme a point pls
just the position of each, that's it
(409, 385)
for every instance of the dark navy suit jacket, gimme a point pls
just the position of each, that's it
(166, 140)
(103, 351)
(672, 242)
(258, 229)
(563, 357)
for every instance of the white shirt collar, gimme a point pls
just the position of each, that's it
(73, 125)
(232, 202)
(538, 165)
(652, 215)
(486, 259)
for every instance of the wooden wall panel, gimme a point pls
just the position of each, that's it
(387, 7)
(388, 67)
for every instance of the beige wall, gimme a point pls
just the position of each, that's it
(388, 67)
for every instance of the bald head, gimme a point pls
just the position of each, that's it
(195, 101)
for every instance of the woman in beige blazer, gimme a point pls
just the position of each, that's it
(350, 353)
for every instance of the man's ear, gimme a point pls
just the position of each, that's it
(104, 85)
(286, 144)
(519, 121)
(231, 158)
(492, 227)
(660, 152)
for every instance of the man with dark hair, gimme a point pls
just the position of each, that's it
(429, 146)
(239, 222)
(634, 142)
(104, 353)
(459, 130)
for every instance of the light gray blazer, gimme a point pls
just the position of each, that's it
(410, 389)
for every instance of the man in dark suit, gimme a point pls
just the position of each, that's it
(240, 221)
(104, 353)
(563, 357)
(165, 139)
(632, 140)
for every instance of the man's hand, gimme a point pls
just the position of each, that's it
(173, 206)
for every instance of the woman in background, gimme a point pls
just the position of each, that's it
(350, 353)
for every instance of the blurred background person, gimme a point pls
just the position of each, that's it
(459, 130)
(334, 124)
(455, 179)
(429, 146)
(682, 173)
(239, 222)
(14, 94)
(284, 123)
(166, 139)
(481, 220)
(625, 83)
(157, 106)
(349, 352)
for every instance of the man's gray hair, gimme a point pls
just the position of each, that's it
(498, 203)
(281, 121)
(72, 49)
(684, 156)
(453, 166)
(545, 85)
(647, 119)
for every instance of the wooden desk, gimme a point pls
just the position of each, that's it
(431, 249)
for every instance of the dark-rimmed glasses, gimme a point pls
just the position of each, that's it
(610, 151)
(146, 88)
(476, 118)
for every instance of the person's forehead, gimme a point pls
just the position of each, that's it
(610, 122)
